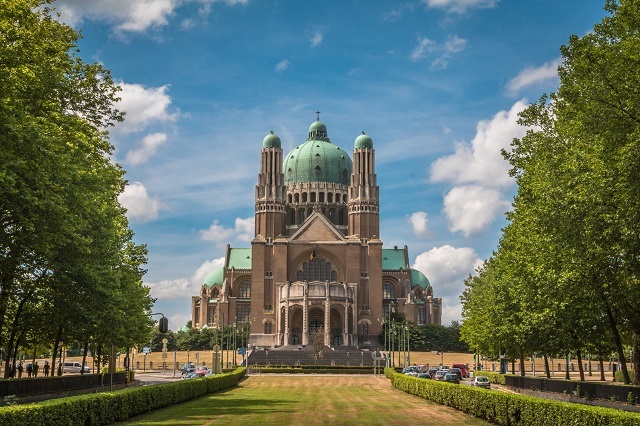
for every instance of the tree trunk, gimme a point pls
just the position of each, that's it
(580, 366)
(567, 363)
(618, 341)
(521, 364)
(546, 365)
(635, 355)
(513, 367)
(55, 352)
(601, 363)
(84, 356)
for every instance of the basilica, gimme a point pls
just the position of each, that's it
(316, 263)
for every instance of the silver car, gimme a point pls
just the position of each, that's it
(481, 382)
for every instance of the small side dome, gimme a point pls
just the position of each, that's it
(271, 141)
(215, 277)
(419, 279)
(363, 141)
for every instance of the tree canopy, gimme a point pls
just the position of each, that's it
(69, 270)
(565, 277)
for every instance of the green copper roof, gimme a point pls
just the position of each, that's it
(215, 277)
(271, 141)
(239, 258)
(363, 141)
(393, 259)
(418, 278)
(317, 160)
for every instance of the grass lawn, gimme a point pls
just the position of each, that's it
(309, 400)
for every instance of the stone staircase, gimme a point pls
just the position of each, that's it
(291, 356)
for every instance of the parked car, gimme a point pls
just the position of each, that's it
(423, 375)
(74, 367)
(463, 368)
(188, 368)
(432, 371)
(451, 378)
(410, 370)
(201, 370)
(456, 371)
(481, 382)
(439, 375)
(192, 375)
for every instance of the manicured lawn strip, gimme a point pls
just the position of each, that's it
(510, 409)
(308, 400)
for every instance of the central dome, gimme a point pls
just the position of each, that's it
(317, 160)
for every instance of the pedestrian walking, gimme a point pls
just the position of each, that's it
(35, 369)
(20, 369)
(47, 367)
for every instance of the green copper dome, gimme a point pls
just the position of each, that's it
(363, 141)
(317, 160)
(418, 278)
(215, 277)
(271, 141)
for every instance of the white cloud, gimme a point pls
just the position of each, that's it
(545, 74)
(481, 162)
(447, 267)
(184, 288)
(243, 231)
(149, 145)
(471, 209)
(421, 50)
(316, 39)
(131, 15)
(459, 6)
(143, 106)
(140, 207)
(419, 223)
(442, 52)
(282, 65)
(127, 15)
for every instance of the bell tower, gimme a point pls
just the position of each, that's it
(364, 202)
(270, 211)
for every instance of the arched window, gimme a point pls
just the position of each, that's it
(268, 327)
(243, 314)
(244, 290)
(364, 329)
(330, 197)
(313, 197)
(216, 293)
(321, 195)
(317, 269)
(388, 291)
(304, 197)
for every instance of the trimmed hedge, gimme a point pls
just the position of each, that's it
(511, 409)
(110, 407)
(620, 377)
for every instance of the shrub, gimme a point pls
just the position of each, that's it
(110, 407)
(511, 409)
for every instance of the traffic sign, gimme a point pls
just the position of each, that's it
(146, 350)
(242, 351)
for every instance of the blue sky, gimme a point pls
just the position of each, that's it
(437, 84)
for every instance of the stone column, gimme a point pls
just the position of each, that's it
(327, 314)
(305, 310)
(287, 337)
